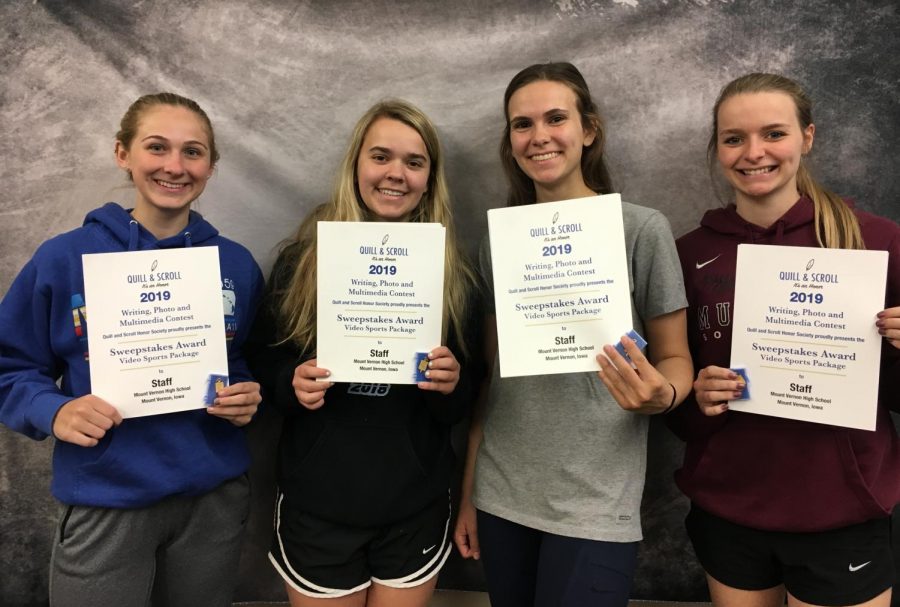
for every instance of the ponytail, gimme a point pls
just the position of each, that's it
(836, 225)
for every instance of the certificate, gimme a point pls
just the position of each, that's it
(560, 284)
(804, 328)
(156, 329)
(380, 294)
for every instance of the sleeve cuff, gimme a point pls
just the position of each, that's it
(43, 410)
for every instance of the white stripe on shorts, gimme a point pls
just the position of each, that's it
(297, 581)
(431, 568)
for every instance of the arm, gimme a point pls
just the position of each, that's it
(465, 535)
(657, 383)
(888, 323)
(247, 305)
(285, 381)
(239, 401)
(448, 395)
(661, 379)
(450, 392)
(31, 402)
(704, 411)
(29, 396)
(274, 364)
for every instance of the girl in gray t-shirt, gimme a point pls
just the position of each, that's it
(556, 463)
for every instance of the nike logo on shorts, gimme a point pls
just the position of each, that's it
(858, 567)
(427, 550)
(706, 263)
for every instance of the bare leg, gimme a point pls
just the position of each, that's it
(357, 599)
(726, 596)
(417, 596)
(882, 600)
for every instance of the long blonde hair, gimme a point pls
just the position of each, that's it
(297, 308)
(836, 225)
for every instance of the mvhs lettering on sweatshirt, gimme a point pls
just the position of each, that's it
(722, 319)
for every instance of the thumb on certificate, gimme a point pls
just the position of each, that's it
(310, 372)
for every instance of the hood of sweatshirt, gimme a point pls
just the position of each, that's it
(118, 223)
(727, 222)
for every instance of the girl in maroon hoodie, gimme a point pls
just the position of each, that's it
(778, 505)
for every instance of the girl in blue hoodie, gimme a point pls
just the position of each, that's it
(150, 506)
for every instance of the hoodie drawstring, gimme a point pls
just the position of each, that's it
(779, 232)
(133, 233)
(187, 240)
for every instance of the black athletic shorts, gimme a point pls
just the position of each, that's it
(325, 559)
(843, 566)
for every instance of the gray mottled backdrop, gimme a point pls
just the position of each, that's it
(285, 81)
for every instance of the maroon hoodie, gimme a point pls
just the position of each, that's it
(768, 472)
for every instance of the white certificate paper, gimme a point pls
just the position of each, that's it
(156, 331)
(380, 298)
(804, 328)
(560, 284)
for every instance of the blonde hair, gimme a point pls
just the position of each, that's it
(836, 225)
(297, 308)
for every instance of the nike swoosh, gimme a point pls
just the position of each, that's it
(427, 550)
(706, 263)
(858, 567)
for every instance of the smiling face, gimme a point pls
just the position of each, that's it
(759, 144)
(392, 169)
(169, 162)
(547, 139)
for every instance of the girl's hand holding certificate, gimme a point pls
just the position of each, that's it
(310, 393)
(442, 374)
(443, 371)
(714, 387)
(639, 388)
(888, 324)
(237, 403)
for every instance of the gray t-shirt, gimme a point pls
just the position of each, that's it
(558, 453)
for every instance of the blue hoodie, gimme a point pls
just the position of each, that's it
(43, 337)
